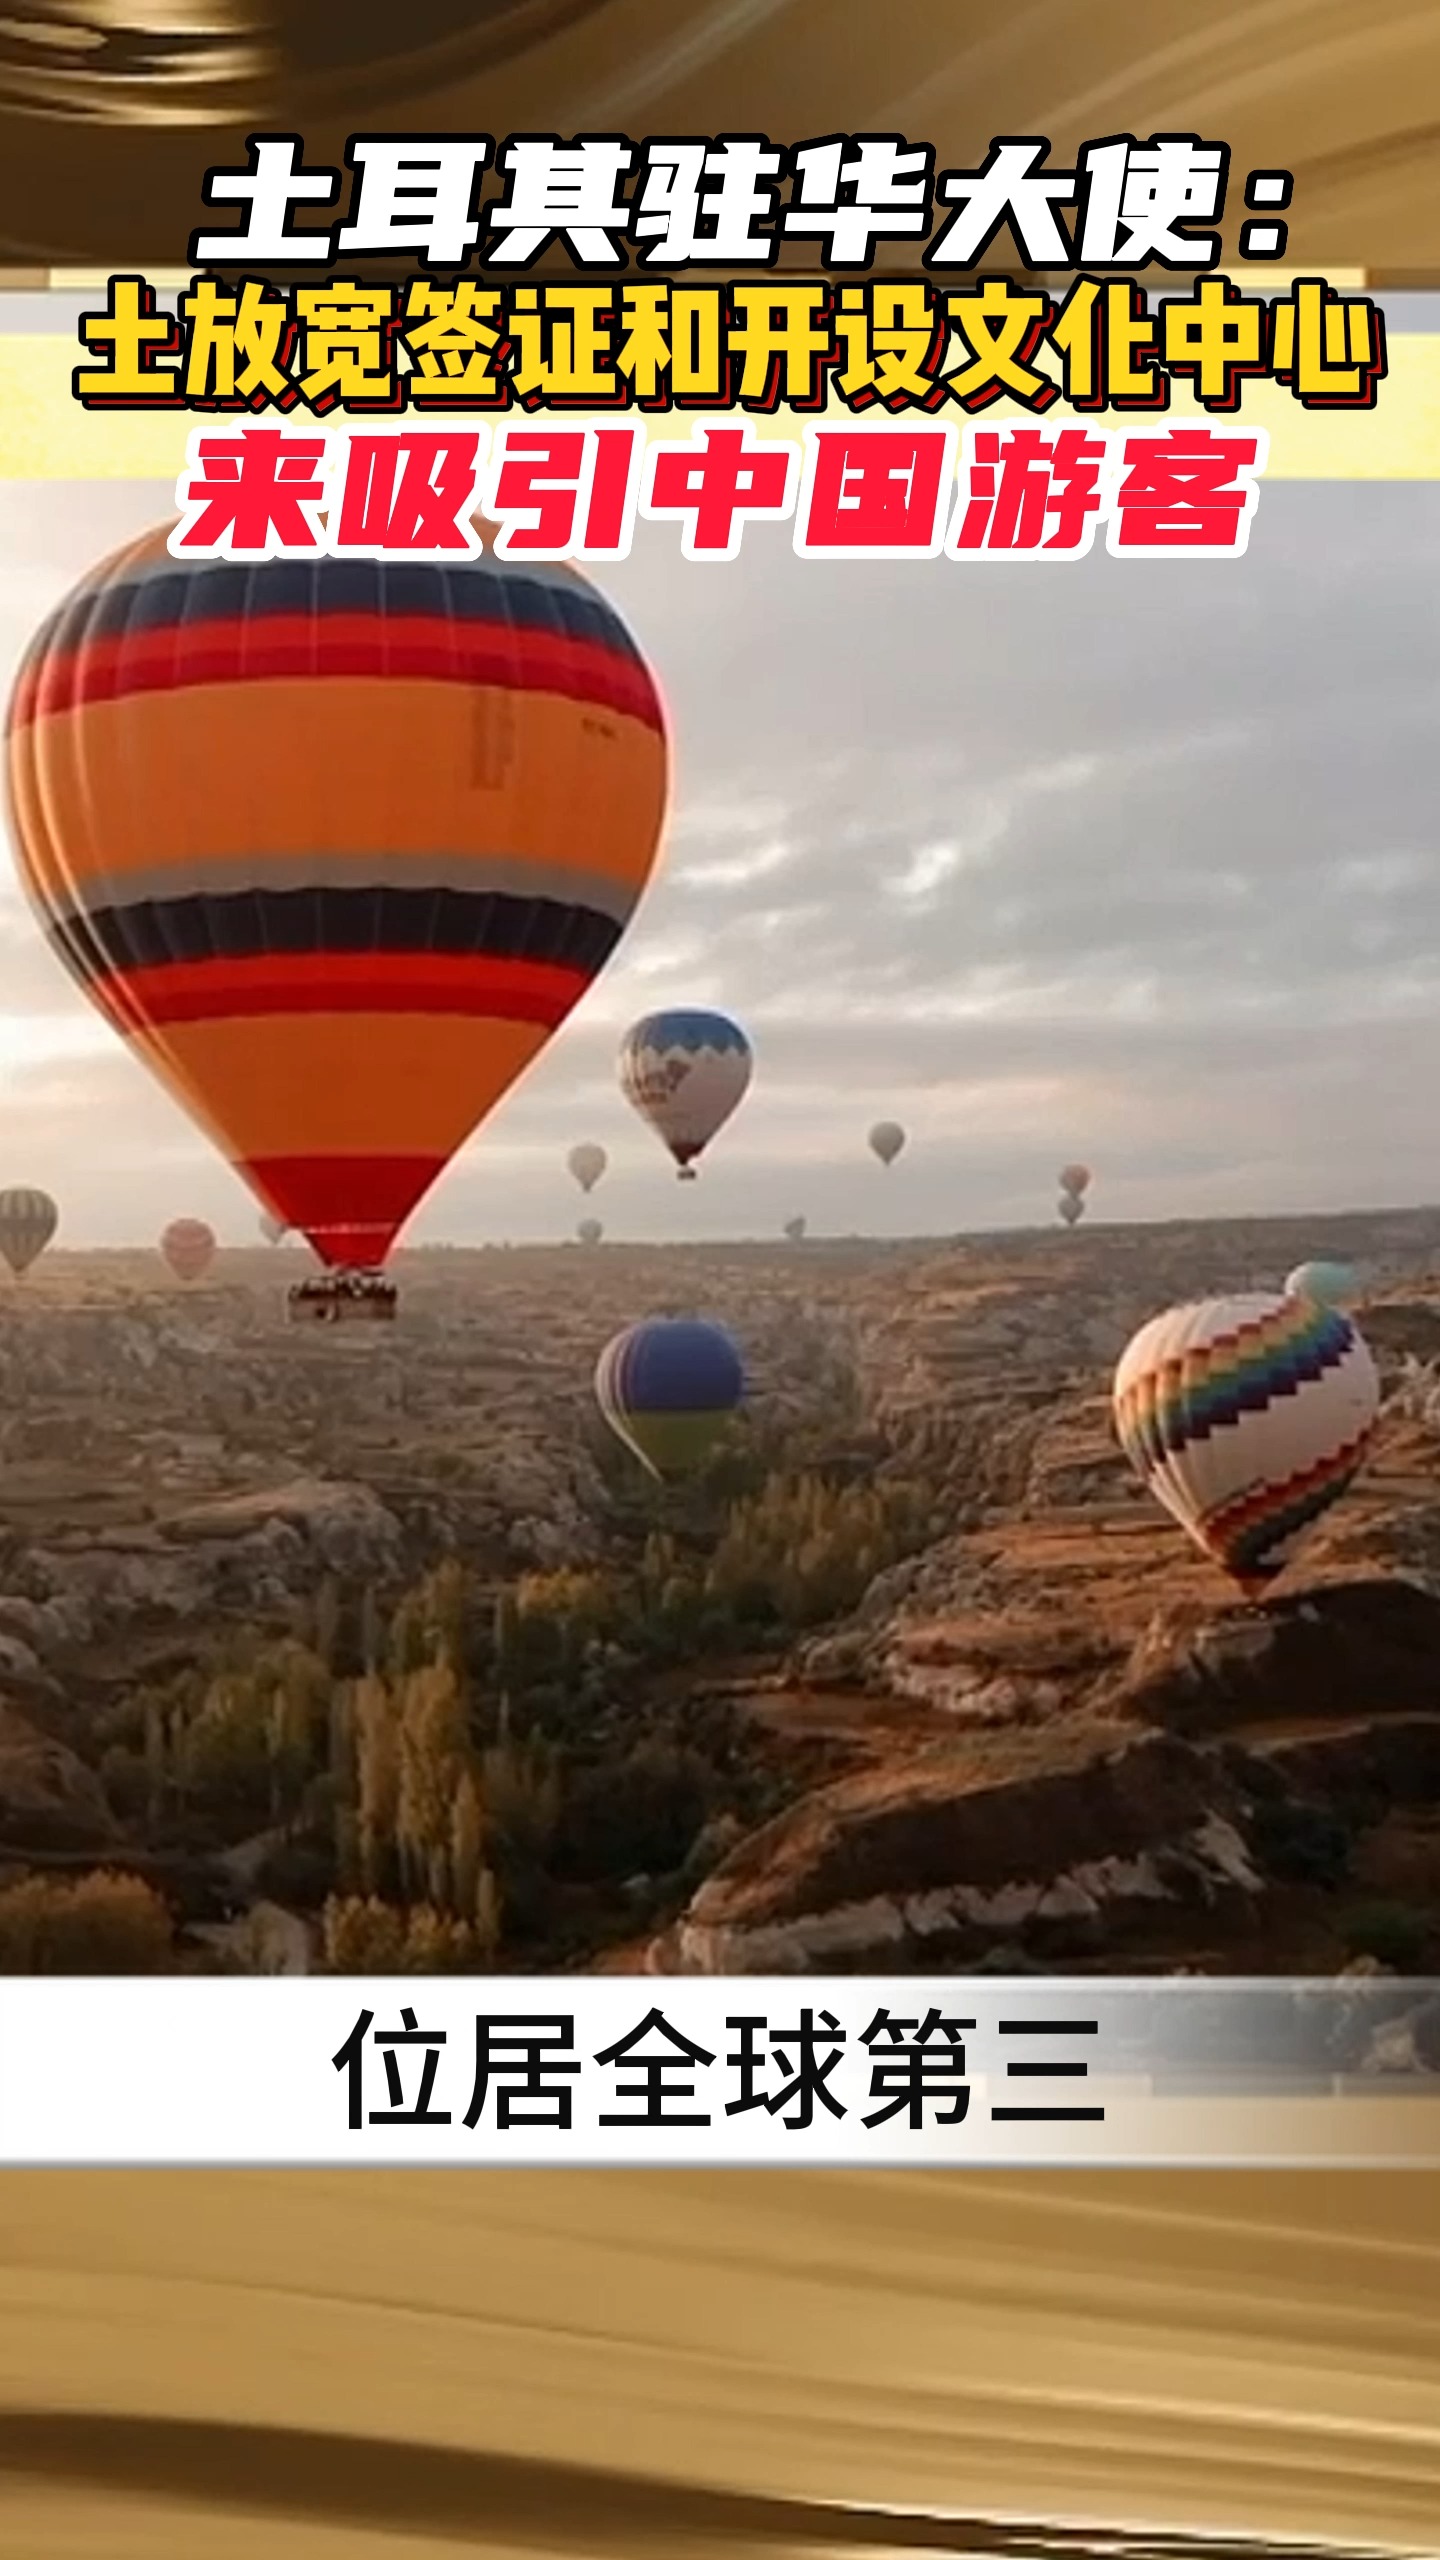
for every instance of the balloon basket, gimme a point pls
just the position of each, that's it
(343, 1297)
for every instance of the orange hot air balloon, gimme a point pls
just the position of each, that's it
(336, 845)
(189, 1247)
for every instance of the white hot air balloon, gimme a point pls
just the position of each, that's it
(586, 1164)
(1247, 1417)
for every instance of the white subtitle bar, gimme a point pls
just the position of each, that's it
(965, 2071)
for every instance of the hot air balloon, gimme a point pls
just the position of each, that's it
(587, 1163)
(886, 1140)
(274, 1230)
(795, 1230)
(1075, 1178)
(685, 1073)
(1247, 1417)
(1070, 1208)
(189, 1247)
(336, 845)
(667, 1387)
(589, 1231)
(28, 1220)
(1325, 1284)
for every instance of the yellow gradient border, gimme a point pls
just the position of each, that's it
(46, 435)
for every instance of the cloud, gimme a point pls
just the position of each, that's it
(1126, 860)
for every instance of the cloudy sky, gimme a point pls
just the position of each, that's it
(1111, 859)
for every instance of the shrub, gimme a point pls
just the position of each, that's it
(98, 1923)
(1394, 1933)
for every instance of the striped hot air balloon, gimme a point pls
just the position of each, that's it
(28, 1220)
(1247, 1417)
(188, 1246)
(667, 1387)
(686, 1072)
(336, 845)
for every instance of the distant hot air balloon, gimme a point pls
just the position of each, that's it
(1325, 1284)
(587, 1162)
(1070, 1208)
(886, 1140)
(795, 1230)
(667, 1387)
(589, 1231)
(189, 1247)
(336, 845)
(1075, 1178)
(1247, 1417)
(685, 1073)
(28, 1220)
(274, 1230)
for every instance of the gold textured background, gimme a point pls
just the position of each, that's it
(738, 2355)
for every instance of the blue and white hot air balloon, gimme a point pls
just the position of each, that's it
(685, 1073)
(1325, 1284)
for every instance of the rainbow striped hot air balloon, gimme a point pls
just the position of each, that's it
(28, 1220)
(188, 1246)
(667, 1387)
(1247, 1417)
(335, 845)
(685, 1073)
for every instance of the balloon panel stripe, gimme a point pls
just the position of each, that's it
(344, 983)
(157, 933)
(351, 1207)
(145, 588)
(348, 647)
(1246, 1532)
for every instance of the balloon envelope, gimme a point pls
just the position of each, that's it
(1325, 1284)
(28, 1220)
(188, 1245)
(685, 1072)
(886, 1140)
(1247, 1417)
(1070, 1208)
(1075, 1178)
(667, 1387)
(589, 1231)
(795, 1230)
(587, 1162)
(335, 845)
